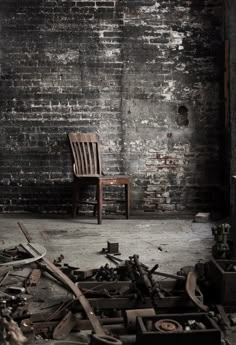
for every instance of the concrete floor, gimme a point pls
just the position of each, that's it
(170, 243)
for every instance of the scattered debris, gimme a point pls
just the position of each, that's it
(191, 286)
(202, 217)
(112, 248)
(112, 302)
(221, 249)
(184, 329)
(14, 335)
(23, 254)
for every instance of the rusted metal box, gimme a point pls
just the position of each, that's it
(147, 333)
(113, 247)
(223, 281)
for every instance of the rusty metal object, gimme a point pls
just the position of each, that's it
(64, 327)
(48, 327)
(112, 248)
(99, 337)
(97, 327)
(167, 275)
(184, 329)
(15, 290)
(78, 293)
(168, 325)
(24, 253)
(143, 274)
(5, 277)
(107, 273)
(224, 319)
(45, 328)
(152, 286)
(33, 278)
(221, 249)
(130, 316)
(191, 286)
(25, 232)
(74, 288)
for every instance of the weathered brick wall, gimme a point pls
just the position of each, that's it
(230, 33)
(146, 75)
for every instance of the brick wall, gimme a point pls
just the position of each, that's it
(145, 75)
(230, 33)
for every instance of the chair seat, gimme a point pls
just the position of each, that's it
(105, 179)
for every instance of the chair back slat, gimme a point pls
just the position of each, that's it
(86, 153)
(80, 162)
(90, 162)
(99, 160)
(84, 156)
(76, 155)
(94, 155)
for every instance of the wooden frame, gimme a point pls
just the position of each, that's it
(87, 168)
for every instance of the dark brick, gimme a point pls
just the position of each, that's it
(120, 69)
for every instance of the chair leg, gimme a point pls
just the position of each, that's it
(76, 194)
(100, 201)
(96, 205)
(74, 199)
(127, 200)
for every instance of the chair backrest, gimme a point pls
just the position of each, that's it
(86, 153)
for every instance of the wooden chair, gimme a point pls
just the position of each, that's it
(87, 170)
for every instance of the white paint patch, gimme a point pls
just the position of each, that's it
(181, 67)
(167, 91)
(176, 39)
(149, 9)
(108, 53)
(64, 58)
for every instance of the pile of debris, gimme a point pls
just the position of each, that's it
(122, 302)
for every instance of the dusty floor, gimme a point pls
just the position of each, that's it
(170, 243)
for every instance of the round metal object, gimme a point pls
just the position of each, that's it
(167, 325)
(104, 340)
(35, 251)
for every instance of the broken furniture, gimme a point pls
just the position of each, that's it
(87, 168)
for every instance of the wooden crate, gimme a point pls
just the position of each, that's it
(223, 283)
(147, 334)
